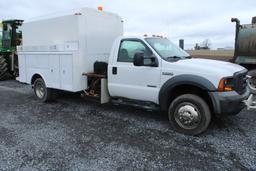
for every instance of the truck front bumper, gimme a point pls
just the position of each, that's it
(228, 103)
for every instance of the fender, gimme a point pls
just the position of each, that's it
(192, 80)
(39, 74)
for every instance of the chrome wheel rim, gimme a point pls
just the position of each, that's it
(187, 116)
(40, 90)
(252, 83)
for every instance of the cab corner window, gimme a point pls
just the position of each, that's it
(129, 48)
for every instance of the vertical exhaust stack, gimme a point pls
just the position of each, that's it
(181, 43)
(236, 20)
(238, 25)
(254, 20)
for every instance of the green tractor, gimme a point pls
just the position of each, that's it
(10, 38)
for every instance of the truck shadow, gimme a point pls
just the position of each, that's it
(129, 112)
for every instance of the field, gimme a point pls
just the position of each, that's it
(212, 54)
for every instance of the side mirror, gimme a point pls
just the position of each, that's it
(138, 59)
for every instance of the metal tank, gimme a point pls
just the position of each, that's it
(245, 49)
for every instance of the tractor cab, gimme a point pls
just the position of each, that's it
(11, 36)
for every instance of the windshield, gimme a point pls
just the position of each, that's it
(166, 49)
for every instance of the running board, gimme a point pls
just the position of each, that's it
(138, 104)
(251, 102)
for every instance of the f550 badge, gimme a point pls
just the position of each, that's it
(167, 73)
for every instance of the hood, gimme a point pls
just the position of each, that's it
(211, 66)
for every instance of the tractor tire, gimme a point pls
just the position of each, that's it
(252, 81)
(3, 68)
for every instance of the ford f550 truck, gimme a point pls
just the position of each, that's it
(85, 51)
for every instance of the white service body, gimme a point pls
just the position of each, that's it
(61, 48)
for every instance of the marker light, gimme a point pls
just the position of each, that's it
(100, 8)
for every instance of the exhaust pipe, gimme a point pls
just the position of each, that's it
(254, 20)
(238, 25)
(235, 20)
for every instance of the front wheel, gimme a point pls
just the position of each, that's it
(189, 114)
(252, 81)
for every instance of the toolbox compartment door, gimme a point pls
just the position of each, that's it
(66, 71)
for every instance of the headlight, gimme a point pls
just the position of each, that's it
(226, 84)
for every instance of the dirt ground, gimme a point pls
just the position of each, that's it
(73, 134)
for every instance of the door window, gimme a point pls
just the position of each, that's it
(129, 48)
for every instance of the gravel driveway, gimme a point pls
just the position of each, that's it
(74, 134)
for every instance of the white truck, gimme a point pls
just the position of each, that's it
(85, 51)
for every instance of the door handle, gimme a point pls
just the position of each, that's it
(114, 70)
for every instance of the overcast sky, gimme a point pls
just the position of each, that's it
(192, 20)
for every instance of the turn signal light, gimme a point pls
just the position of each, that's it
(224, 85)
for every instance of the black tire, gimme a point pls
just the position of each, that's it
(42, 93)
(186, 106)
(3, 68)
(252, 81)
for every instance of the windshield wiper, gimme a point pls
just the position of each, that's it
(173, 58)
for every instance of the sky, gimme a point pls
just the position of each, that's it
(191, 20)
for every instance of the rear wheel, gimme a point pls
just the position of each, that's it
(43, 93)
(189, 114)
(252, 81)
(3, 68)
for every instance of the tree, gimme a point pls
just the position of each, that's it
(206, 44)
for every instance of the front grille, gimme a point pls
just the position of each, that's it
(240, 83)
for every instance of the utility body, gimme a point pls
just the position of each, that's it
(85, 51)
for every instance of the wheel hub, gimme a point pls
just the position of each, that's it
(252, 83)
(40, 90)
(188, 117)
